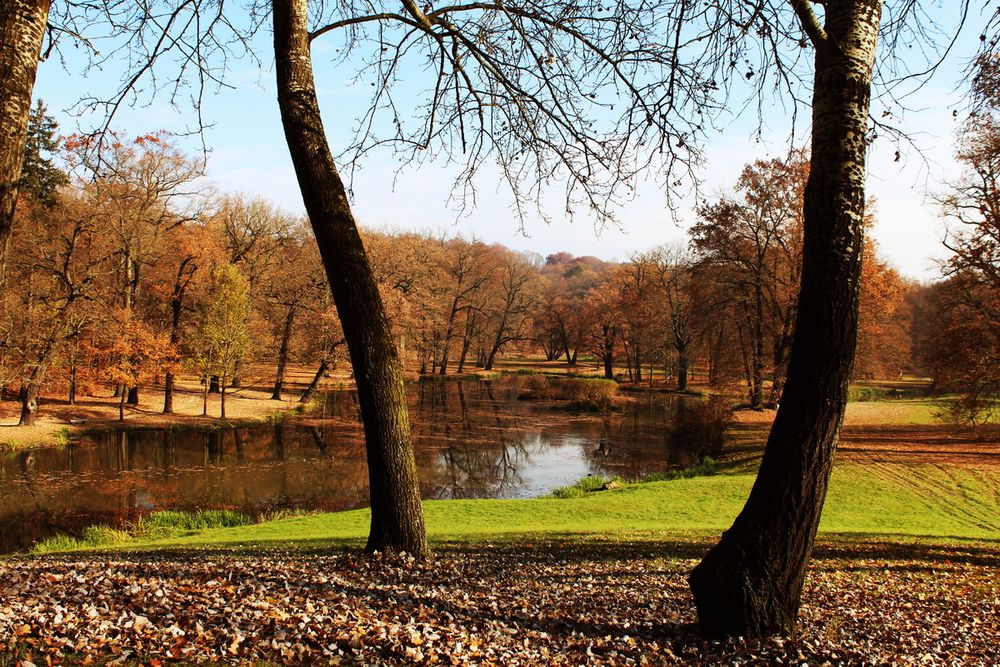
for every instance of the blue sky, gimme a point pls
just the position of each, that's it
(248, 154)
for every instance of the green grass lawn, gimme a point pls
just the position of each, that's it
(887, 499)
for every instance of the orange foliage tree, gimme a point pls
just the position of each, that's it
(133, 354)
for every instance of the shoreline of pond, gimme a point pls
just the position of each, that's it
(61, 424)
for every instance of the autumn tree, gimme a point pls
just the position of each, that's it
(752, 244)
(750, 583)
(511, 307)
(253, 232)
(639, 307)
(565, 323)
(293, 287)
(409, 270)
(133, 353)
(223, 337)
(469, 268)
(176, 280)
(58, 259)
(146, 187)
(884, 320)
(969, 303)
(673, 268)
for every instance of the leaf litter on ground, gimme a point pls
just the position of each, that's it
(560, 603)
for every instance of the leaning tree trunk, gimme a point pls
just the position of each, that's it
(22, 25)
(286, 337)
(313, 387)
(397, 521)
(750, 583)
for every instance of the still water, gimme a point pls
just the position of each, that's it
(472, 440)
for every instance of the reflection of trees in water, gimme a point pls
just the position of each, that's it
(475, 452)
(472, 441)
(637, 440)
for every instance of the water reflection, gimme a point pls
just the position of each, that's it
(472, 440)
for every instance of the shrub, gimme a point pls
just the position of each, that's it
(583, 486)
(155, 525)
(700, 428)
(704, 468)
(587, 393)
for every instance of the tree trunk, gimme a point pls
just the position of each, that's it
(313, 387)
(168, 393)
(133, 396)
(121, 406)
(29, 392)
(449, 332)
(470, 324)
(397, 522)
(22, 25)
(176, 305)
(286, 336)
(71, 397)
(204, 399)
(682, 368)
(222, 399)
(29, 404)
(750, 583)
(609, 352)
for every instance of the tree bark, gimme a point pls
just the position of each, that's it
(22, 25)
(397, 522)
(133, 396)
(750, 583)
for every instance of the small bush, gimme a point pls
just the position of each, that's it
(62, 437)
(586, 393)
(152, 526)
(171, 521)
(585, 485)
(567, 492)
(700, 428)
(704, 468)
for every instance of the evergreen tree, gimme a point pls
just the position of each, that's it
(40, 177)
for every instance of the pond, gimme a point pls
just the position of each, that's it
(472, 440)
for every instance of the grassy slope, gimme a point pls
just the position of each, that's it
(920, 500)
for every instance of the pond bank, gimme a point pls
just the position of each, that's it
(59, 422)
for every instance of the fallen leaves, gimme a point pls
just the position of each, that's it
(609, 604)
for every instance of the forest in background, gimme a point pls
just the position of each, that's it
(126, 270)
